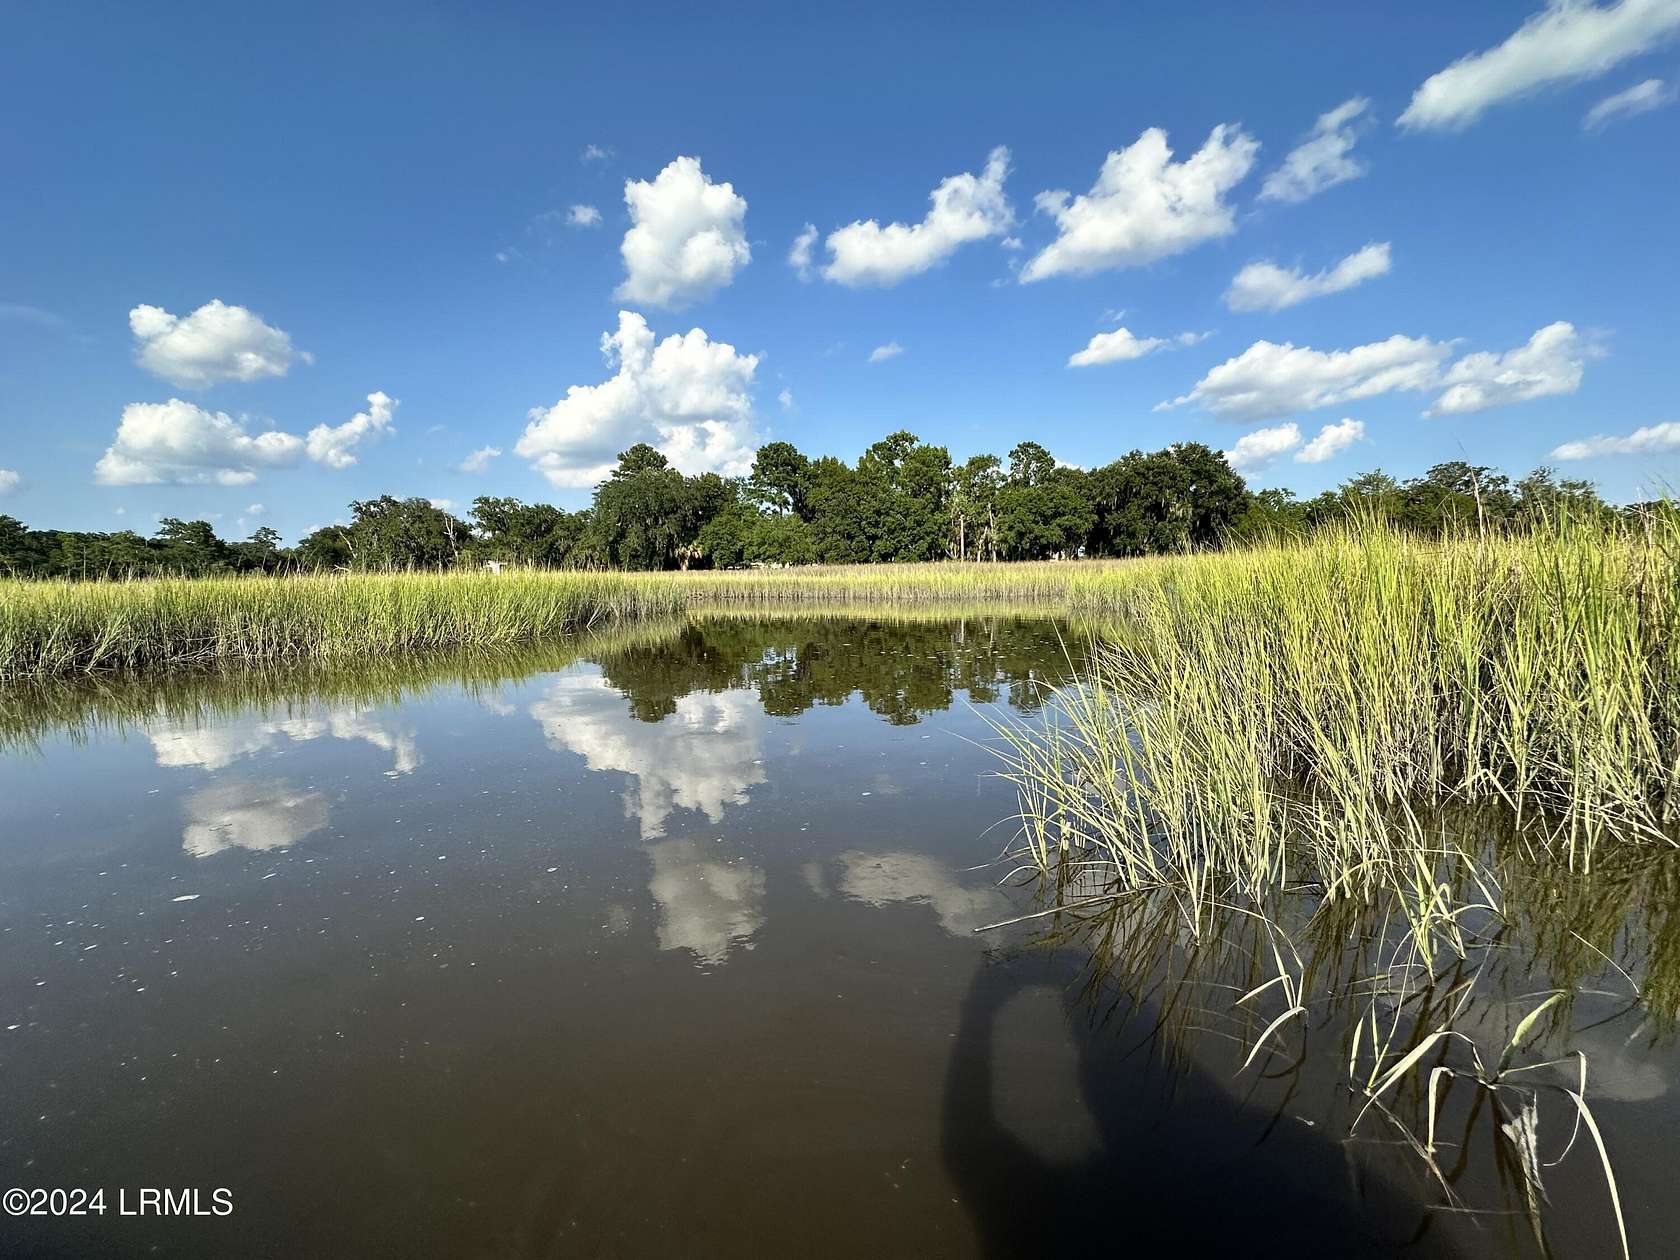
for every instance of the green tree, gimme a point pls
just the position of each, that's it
(974, 498)
(781, 480)
(392, 533)
(1043, 510)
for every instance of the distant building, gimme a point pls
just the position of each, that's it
(493, 566)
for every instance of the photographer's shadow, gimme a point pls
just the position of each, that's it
(1167, 1160)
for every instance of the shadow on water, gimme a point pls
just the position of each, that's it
(1170, 1161)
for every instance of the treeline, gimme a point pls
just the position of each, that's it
(904, 500)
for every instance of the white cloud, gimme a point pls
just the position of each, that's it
(1641, 98)
(1650, 440)
(1012, 243)
(687, 237)
(1269, 379)
(255, 509)
(442, 505)
(595, 153)
(965, 208)
(1323, 159)
(785, 398)
(1567, 40)
(799, 257)
(1265, 286)
(583, 217)
(216, 342)
(882, 353)
(1121, 345)
(1551, 362)
(177, 442)
(1254, 451)
(334, 445)
(1332, 440)
(689, 396)
(1145, 206)
(479, 460)
(10, 480)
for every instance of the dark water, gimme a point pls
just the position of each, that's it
(668, 950)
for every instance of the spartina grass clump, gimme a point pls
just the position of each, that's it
(1307, 723)
(1282, 713)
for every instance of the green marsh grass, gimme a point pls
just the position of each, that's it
(1309, 724)
(60, 627)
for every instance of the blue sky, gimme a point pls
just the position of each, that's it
(379, 199)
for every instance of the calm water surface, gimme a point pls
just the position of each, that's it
(666, 950)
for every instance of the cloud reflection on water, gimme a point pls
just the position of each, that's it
(215, 747)
(704, 756)
(708, 904)
(250, 814)
(883, 879)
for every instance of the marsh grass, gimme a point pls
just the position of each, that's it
(1312, 721)
(61, 627)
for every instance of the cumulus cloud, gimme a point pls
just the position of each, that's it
(1269, 379)
(1650, 440)
(9, 480)
(965, 208)
(1265, 286)
(595, 153)
(581, 216)
(882, 353)
(1254, 451)
(1565, 42)
(687, 237)
(1332, 440)
(799, 257)
(215, 343)
(1641, 98)
(1323, 160)
(479, 460)
(1550, 362)
(1121, 345)
(1145, 206)
(334, 445)
(785, 398)
(688, 395)
(180, 443)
